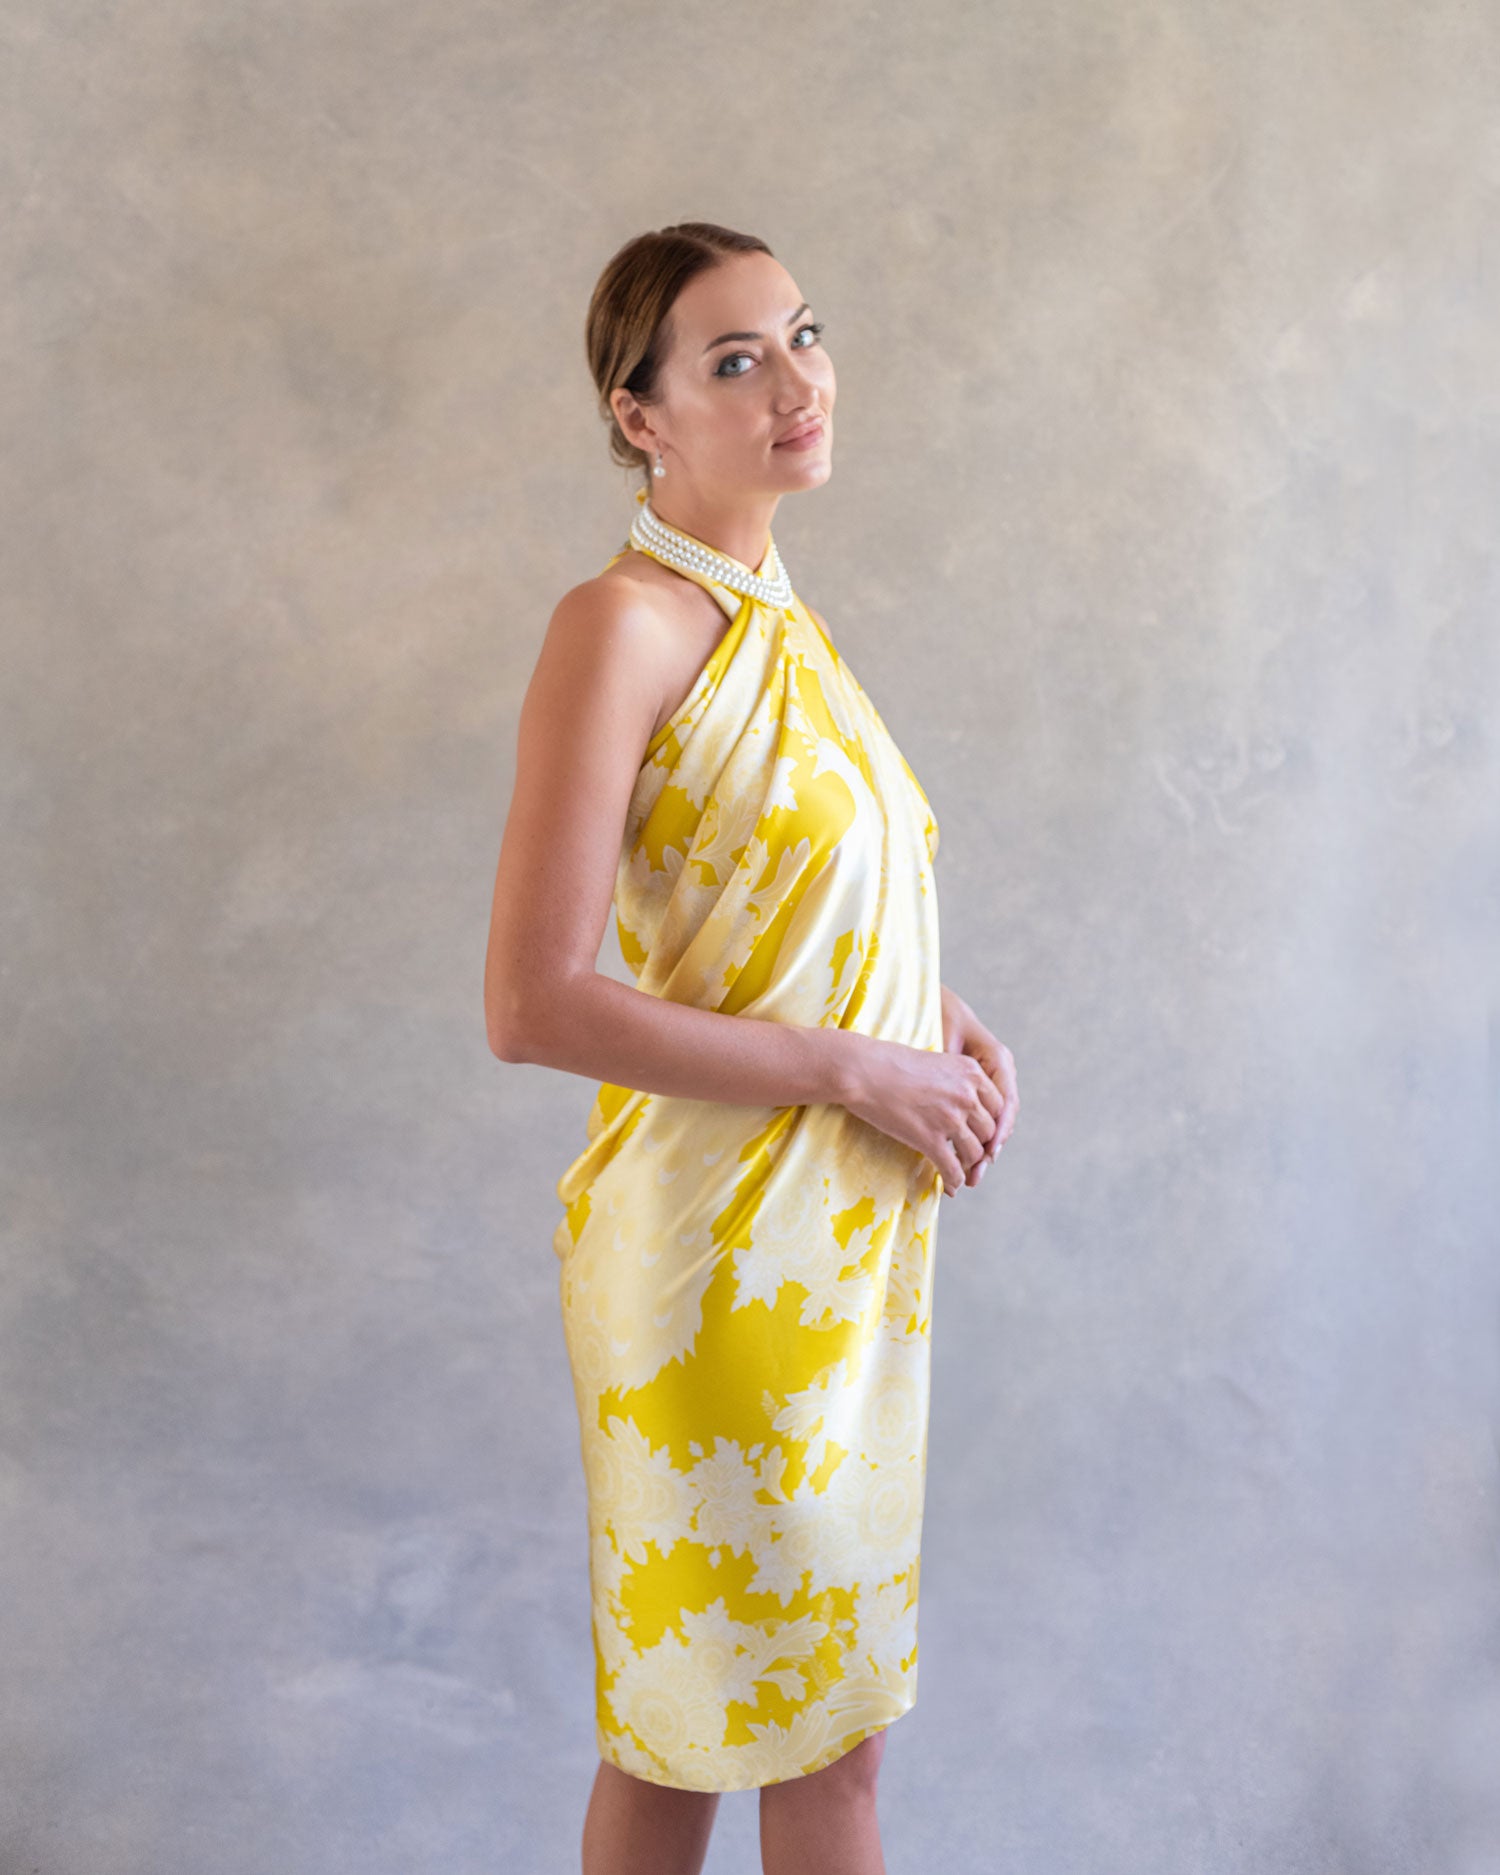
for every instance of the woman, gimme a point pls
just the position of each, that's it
(747, 1244)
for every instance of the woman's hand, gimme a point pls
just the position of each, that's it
(942, 1103)
(964, 1034)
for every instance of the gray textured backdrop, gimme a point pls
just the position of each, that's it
(1163, 530)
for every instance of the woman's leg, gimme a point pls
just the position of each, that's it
(824, 1823)
(634, 1827)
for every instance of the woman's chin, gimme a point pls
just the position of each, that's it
(810, 474)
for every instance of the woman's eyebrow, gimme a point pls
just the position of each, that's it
(725, 337)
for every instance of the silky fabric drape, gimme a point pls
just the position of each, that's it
(746, 1290)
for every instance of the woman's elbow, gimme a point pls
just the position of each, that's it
(518, 1022)
(504, 1045)
(506, 1026)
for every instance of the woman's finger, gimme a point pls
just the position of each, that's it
(951, 1164)
(1008, 1098)
(987, 1099)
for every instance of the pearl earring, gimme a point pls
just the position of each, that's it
(658, 470)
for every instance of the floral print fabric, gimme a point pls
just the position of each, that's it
(746, 1291)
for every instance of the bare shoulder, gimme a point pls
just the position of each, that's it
(608, 631)
(614, 604)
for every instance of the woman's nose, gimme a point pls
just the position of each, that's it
(800, 384)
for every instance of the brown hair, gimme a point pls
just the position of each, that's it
(628, 331)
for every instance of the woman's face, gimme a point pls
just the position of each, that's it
(745, 367)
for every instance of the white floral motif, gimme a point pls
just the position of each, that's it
(725, 832)
(728, 1512)
(791, 1237)
(634, 1492)
(746, 1289)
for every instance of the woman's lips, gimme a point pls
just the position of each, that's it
(804, 439)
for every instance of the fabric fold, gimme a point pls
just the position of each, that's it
(746, 1290)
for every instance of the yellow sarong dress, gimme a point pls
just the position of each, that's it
(747, 1290)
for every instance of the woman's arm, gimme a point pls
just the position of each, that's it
(589, 711)
(588, 714)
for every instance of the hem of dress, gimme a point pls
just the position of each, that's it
(715, 1790)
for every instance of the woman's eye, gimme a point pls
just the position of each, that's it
(814, 326)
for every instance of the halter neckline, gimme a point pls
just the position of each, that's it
(686, 553)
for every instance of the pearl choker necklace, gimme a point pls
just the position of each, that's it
(688, 554)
